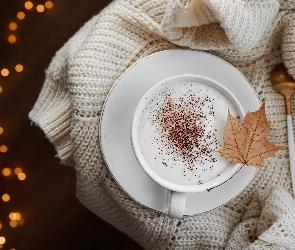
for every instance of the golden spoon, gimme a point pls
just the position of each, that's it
(285, 84)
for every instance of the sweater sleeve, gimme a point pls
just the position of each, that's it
(52, 111)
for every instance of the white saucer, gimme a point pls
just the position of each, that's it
(118, 113)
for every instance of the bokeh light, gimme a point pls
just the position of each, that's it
(28, 5)
(12, 38)
(15, 219)
(18, 170)
(49, 5)
(2, 240)
(12, 26)
(12, 216)
(1, 129)
(21, 176)
(19, 68)
(5, 197)
(21, 15)
(3, 149)
(13, 223)
(6, 171)
(1, 89)
(4, 72)
(20, 221)
(18, 216)
(40, 8)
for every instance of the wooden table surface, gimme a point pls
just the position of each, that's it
(51, 215)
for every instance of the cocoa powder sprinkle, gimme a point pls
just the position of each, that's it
(182, 125)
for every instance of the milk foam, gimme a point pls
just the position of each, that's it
(180, 131)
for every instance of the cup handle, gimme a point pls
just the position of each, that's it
(175, 204)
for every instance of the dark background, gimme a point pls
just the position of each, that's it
(51, 216)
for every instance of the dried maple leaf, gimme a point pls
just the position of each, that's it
(247, 142)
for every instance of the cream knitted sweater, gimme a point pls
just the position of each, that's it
(253, 35)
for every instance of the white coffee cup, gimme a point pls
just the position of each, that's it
(198, 94)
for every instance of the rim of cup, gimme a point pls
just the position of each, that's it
(225, 176)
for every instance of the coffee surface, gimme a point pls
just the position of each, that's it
(181, 129)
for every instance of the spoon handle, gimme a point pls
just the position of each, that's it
(291, 150)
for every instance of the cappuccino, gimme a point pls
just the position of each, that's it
(180, 130)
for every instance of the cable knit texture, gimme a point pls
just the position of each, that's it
(253, 35)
